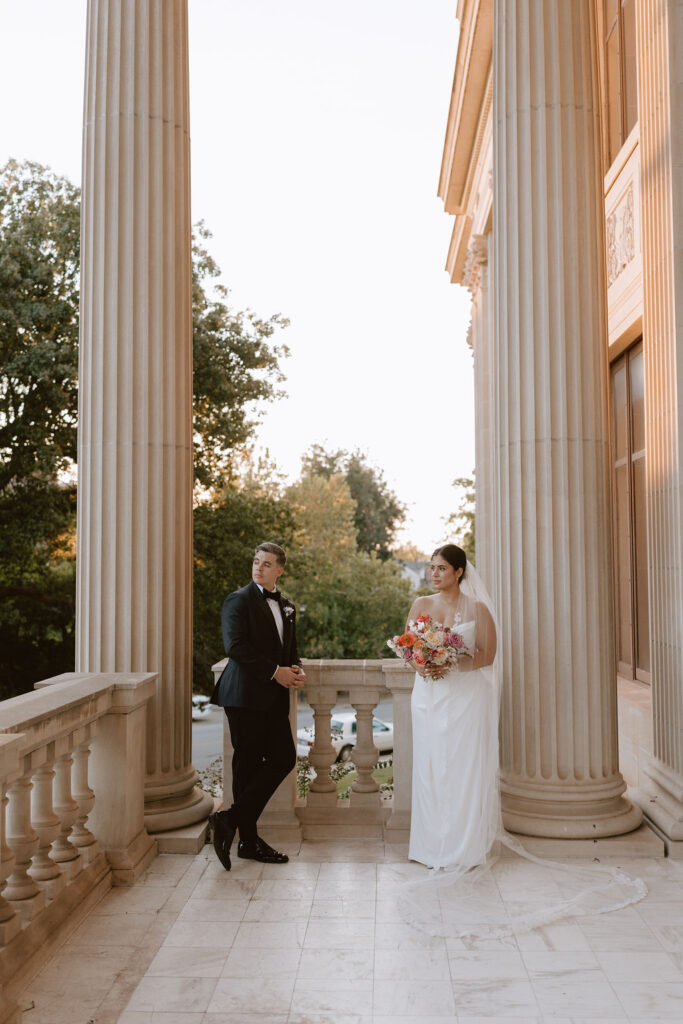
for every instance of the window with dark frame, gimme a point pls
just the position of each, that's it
(630, 517)
(620, 66)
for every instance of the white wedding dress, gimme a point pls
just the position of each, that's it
(455, 815)
(456, 825)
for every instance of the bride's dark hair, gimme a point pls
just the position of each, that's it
(455, 557)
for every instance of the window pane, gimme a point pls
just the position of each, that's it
(623, 566)
(637, 402)
(613, 92)
(630, 79)
(619, 421)
(640, 526)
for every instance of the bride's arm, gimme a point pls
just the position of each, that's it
(486, 641)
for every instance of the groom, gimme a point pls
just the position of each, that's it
(259, 634)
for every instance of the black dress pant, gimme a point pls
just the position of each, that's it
(264, 755)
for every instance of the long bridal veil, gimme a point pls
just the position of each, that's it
(502, 889)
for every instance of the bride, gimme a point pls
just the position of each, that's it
(456, 826)
(456, 811)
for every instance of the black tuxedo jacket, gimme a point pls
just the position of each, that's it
(252, 644)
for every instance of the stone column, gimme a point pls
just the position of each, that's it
(559, 758)
(476, 280)
(134, 590)
(660, 111)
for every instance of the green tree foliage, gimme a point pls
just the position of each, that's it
(235, 366)
(351, 600)
(39, 260)
(460, 524)
(378, 512)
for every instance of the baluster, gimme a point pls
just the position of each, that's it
(365, 795)
(81, 837)
(46, 823)
(365, 752)
(22, 890)
(323, 790)
(399, 681)
(10, 922)
(64, 853)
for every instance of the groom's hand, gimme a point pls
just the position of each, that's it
(288, 677)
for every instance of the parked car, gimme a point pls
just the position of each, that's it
(200, 707)
(343, 729)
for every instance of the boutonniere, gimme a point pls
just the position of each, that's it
(288, 610)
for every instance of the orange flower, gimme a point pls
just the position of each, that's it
(407, 639)
(418, 658)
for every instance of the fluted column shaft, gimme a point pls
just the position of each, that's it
(659, 40)
(559, 733)
(134, 590)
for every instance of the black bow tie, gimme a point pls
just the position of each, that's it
(273, 595)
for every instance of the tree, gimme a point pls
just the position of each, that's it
(235, 366)
(378, 512)
(39, 260)
(460, 523)
(351, 601)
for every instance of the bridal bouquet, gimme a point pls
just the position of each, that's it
(428, 643)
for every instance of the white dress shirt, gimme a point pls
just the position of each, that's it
(277, 615)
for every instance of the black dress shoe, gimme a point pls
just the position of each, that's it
(259, 850)
(223, 834)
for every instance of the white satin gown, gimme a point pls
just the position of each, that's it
(456, 806)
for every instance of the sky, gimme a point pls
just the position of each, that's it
(317, 132)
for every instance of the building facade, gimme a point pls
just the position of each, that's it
(563, 168)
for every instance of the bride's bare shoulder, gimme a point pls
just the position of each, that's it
(421, 605)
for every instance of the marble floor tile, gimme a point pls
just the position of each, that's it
(277, 910)
(155, 1017)
(354, 872)
(329, 1018)
(131, 900)
(330, 889)
(187, 962)
(270, 936)
(498, 965)
(411, 964)
(564, 936)
(623, 931)
(203, 934)
(113, 930)
(243, 1018)
(512, 998)
(398, 935)
(225, 887)
(173, 994)
(324, 964)
(331, 996)
(623, 968)
(251, 962)
(294, 869)
(340, 933)
(252, 995)
(341, 907)
(213, 910)
(659, 1000)
(576, 993)
(401, 998)
(285, 889)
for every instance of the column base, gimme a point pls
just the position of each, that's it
(661, 800)
(574, 812)
(175, 801)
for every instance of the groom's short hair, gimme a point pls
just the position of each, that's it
(274, 549)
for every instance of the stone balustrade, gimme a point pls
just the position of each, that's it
(321, 814)
(72, 770)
